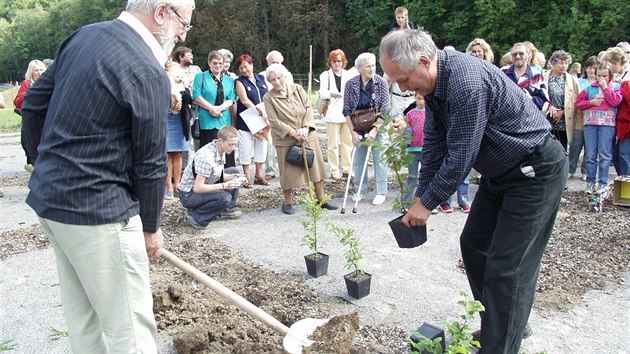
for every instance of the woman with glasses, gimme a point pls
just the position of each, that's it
(332, 84)
(214, 93)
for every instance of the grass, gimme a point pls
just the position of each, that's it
(6, 345)
(9, 121)
(57, 334)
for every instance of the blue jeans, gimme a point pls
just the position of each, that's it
(380, 168)
(504, 239)
(598, 142)
(412, 177)
(462, 194)
(577, 144)
(205, 207)
(624, 157)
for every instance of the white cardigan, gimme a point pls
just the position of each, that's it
(334, 113)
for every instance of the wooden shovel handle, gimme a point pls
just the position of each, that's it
(226, 293)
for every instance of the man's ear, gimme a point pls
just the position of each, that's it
(424, 62)
(160, 15)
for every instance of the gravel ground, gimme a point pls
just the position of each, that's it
(584, 277)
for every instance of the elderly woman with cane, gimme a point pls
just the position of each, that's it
(290, 115)
(367, 94)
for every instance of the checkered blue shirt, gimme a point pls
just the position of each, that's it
(475, 117)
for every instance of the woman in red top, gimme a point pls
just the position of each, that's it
(34, 71)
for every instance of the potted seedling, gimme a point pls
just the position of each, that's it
(397, 158)
(316, 262)
(358, 281)
(430, 339)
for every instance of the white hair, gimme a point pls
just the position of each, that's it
(275, 53)
(363, 58)
(276, 69)
(148, 6)
(226, 54)
(405, 47)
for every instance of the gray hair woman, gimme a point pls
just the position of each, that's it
(563, 90)
(290, 115)
(481, 49)
(367, 90)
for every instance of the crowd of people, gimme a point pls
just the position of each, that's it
(104, 165)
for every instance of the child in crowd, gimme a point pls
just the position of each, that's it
(402, 19)
(415, 126)
(599, 102)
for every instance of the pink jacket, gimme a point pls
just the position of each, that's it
(605, 113)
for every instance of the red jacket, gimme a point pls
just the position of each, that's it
(623, 113)
(19, 98)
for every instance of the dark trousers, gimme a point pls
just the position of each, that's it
(561, 136)
(504, 238)
(207, 136)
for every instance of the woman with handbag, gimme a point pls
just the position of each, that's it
(214, 92)
(290, 115)
(365, 102)
(331, 89)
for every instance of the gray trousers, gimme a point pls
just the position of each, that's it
(504, 238)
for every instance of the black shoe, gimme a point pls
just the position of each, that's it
(288, 209)
(329, 206)
(526, 333)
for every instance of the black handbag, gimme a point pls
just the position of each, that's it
(194, 128)
(294, 156)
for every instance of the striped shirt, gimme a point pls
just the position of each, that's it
(475, 117)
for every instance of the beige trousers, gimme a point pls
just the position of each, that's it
(104, 280)
(339, 135)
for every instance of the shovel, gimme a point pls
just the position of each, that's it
(295, 337)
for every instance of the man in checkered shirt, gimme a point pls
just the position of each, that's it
(476, 117)
(208, 191)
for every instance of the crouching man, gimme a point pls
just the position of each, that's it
(207, 190)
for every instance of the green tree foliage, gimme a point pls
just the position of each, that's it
(35, 28)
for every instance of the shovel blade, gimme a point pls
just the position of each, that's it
(297, 338)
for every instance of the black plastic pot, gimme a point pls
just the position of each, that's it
(316, 264)
(358, 284)
(431, 332)
(408, 237)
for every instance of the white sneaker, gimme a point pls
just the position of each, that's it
(434, 211)
(378, 200)
(356, 198)
(584, 177)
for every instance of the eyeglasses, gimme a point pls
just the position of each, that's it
(516, 54)
(187, 26)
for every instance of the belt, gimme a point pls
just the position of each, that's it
(402, 94)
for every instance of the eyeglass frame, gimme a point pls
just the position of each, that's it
(187, 25)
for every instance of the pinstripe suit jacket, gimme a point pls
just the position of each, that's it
(100, 110)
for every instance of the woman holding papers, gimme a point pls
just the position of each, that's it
(252, 128)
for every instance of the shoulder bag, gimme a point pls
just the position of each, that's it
(363, 119)
(195, 131)
(322, 104)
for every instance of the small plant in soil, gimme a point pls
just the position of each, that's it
(56, 334)
(313, 220)
(316, 262)
(6, 345)
(353, 254)
(460, 331)
(397, 158)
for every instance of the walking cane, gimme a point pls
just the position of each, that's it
(308, 174)
(345, 196)
(367, 157)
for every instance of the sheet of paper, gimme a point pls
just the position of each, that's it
(254, 121)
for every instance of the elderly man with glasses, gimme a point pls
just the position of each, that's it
(530, 81)
(96, 116)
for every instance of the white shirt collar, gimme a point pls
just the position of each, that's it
(149, 39)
